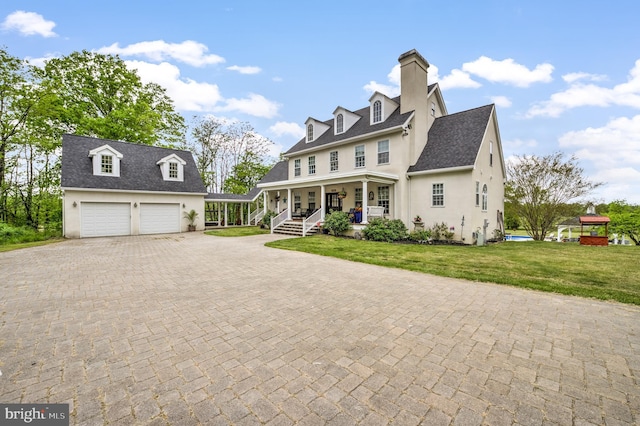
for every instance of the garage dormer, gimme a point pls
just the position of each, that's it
(343, 119)
(106, 161)
(380, 107)
(172, 168)
(315, 129)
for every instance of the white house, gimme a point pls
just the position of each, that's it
(405, 155)
(118, 188)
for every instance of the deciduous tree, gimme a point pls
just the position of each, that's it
(625, 220)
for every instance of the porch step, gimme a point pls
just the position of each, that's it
(293, 227)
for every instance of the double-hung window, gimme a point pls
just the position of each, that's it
(358, 195)
(360, 160)
(173, 170)
(477, 193)
(437, 195)
(312, 165)
(333, 161)
(106, 164)
(485, 198)
(297, 204)
(383, 152)
(296, 167)
(383, 198)
(312, 200)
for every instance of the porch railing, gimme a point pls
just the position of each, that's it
(255, 216)
(278, 220)
(311, 221)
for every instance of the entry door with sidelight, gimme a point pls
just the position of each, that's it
(333, 202)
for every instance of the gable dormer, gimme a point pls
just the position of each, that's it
(380, 108)
(343, 119)
(172, 168)
(106, 161)
(315, 129)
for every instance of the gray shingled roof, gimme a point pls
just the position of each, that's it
(138, 168)
(454, 140)
(361, 127)
(214, 196)
(278, 173)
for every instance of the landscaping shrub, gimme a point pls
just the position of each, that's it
(337, 223)
(381, 229)
(266, 219)
(420, 235)
(441, 232)
(22, 234)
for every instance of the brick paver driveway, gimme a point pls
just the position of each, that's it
(190, 329)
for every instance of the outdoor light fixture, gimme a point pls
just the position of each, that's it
(135, 204)
(75, 204)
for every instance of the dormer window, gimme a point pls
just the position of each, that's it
(105, 161)
(172, 168)
(339, 123)
(309, 132)
(377, 111)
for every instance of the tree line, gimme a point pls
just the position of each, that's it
(96, 95)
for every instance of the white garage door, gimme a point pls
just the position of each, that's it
(159, 218)
(105, 219)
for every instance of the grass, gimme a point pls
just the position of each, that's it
(16, 246)
(238, 231)
(607, 273)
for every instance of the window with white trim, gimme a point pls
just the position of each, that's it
(312, 165)
(477, 193)
(297, 203)
(360, 160)
(437, 195)
(339, 123)
(309, 132)
(333, 161)
(433, 109)
(383, 198)
(491, 154)
(173, 170)
(383, 152)
(312, 200)
(358, 196)
(296, 167)
(377, 111)
(106, 164)
(485, 197)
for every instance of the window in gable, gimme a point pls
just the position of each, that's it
(106, 164)
(433, 109)
(340, 123)
(437, 195)
(309, 132)
(296, 167)
(383, 152)
(360, 159)
(333, 161)
(312, 165)
(491, 154)
(377, 111)
(485, 197)
(173, 170)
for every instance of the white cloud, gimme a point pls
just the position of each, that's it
(245, 70)
(579, 94)
(508, 71)
(282, 128)
(277, 79)
(256, 105)
(189, 52)
(187, 94)
(501, 101)
(40, 62)
(614, 153)
(520, 144)
(575, 76)
(29, 23)
(458, 80)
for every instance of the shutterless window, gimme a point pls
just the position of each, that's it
(106, 164)
(358, 195)
(173, 170)
(433, 109)
(312, 200)
(485, 198)
(437, 195)
(491, 154)
(312, 165)
(477, 193)
(340, 123)
(383, 152)
(377, 111)
(360, 160)
(297, 204)
(309, 132)
(296, 167)
(333, 161)
(383, 198)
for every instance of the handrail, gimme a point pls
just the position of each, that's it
(311, 221)
(255, 216)
(278, 220)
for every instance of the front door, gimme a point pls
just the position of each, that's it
(333, 202)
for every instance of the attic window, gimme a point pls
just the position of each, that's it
(173, 170)
(339, 123)
(377, 111)
(309, 132)
(105, 161)
(106, 164)
(433, 109)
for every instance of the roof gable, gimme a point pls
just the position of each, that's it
(139, 169)
(454, 140)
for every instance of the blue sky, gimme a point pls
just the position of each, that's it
(564, 75)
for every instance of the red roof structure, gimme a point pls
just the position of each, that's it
(594, 239)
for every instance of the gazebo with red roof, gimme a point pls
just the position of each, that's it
(594, 240)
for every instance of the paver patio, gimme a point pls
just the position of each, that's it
(192, 329)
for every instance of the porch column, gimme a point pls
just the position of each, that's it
(219, 206)
(226, 210)
(248, 213)
(289, 203)
(265, 198)
(365, 202)
(323, 206)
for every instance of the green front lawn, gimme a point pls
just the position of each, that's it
(238, 231)
(608, 273)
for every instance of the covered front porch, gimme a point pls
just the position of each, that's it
(225, 210)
